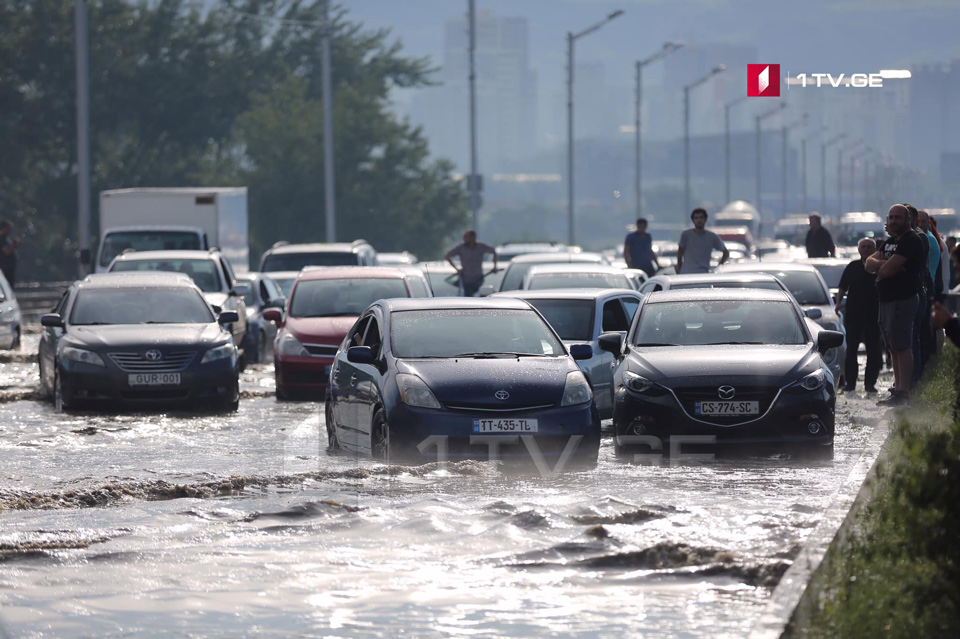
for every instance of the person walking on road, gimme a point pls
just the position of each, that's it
(819, 240)
(8, 251)
(638, 250)
(897, 266)
(697, 244)
(471, 253)
(860, 318)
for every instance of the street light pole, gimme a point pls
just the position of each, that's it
(863, 153)
(803, 163)
(83, 135)
(571, 39)
(802, 122)
(823, 169)
(726, 143)
(473, 185)
(686, 132)
(327, 84)
(759, 121)
(668, 48)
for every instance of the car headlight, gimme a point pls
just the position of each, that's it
(81, 355)
(216, 353)
(576, 390)
(636, 383)
(814, 381)
(415, 392)
(290, 345)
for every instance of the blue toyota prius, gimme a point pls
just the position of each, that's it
(439, 378)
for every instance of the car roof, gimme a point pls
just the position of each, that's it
(317, 247)
(431, 303)
(570, 268)
(136, 279)
(696, 278)
(558, 255)
(567, 293)
(352, 272)
(759, 266)
(166, 255)
(718, 294)
(828, 261)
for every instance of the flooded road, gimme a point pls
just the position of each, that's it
(219, 526)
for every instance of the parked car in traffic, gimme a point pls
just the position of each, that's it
(510, 250)
(323, 305)
(521, 265)
(575, 276)
(712, 280)
(580, 316)
(467, 372)
(284, 256)
(737, 365)
(209, 270)
(138, 338)
(9, 316)
(260, 292)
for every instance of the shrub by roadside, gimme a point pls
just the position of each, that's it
(898, 573)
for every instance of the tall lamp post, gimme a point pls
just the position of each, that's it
(571, 39)
(759, 121)
(726, 143)
(802, 122)
(823, 169)
(473, 182)
(840, 151)
(83, 135)
(668, 48)
(854, 159)
(686, 132)
(327, 88)
(803, 163)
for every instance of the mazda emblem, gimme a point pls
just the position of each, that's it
(502, 395)
(726, 392)
(153, 355)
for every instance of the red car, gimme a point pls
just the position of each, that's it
(322, 306)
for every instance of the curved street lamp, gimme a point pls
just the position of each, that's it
(823, 169)
(686, 132)
(667, 49)
(759, 120)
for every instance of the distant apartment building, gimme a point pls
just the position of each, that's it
(506, 96)
(935, 115)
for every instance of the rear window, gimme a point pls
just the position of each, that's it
(205, 273)
(342, 297)
(116, 243)
(296, 261)
(578, 280)
(571, 319)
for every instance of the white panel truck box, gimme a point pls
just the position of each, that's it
(174, 219)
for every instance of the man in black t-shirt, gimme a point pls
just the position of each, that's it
(897, 267)
(860, 318)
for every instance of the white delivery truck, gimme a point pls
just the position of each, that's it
(174, 219)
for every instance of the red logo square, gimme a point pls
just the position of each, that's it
(763, 80)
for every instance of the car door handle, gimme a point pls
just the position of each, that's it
(353, 379)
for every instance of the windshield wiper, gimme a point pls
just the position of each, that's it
(496, 354)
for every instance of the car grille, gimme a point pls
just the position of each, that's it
(690, 395)
(321, 350)
(138, 363)
(499, 408)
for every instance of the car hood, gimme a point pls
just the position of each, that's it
(320, 330)
(529, 381)
(144, 335)
(688, 366)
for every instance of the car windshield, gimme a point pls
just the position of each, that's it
(701, 323)
(804, 286)
(205, 273)
(342, 297)
(578, 280)
(140, 306)
(571, 319)
(471, 333)
(296, 261)
(117, 242)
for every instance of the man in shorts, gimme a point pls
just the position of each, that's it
(897, 266)
(471, 254)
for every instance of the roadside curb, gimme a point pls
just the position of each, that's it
(795, 598)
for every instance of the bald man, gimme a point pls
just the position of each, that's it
(897, 266)
(860, 318)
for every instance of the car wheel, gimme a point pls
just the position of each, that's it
(380, 436)
(231, 402)
(61, 400)
(333, 442)
(282, 395)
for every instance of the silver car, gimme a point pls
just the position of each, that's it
(579, 316)
(9, 317)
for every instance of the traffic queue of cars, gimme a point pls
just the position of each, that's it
(750, 354)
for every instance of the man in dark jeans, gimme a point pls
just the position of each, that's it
(638, 250)
(819, 241)
(860, 318)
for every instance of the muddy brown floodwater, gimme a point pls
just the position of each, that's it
(118, 525)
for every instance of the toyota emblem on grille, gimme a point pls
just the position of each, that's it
(153, 355)
(726, 392)
(502, 395)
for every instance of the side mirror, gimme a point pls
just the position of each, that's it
(228, 317)
(611, 342)
(814, 313)
(235, 293)
(51, 320)
(581, 351)
(828, 339)
(217, 309)
(274, 315)
(486, 290)
(360, 355)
